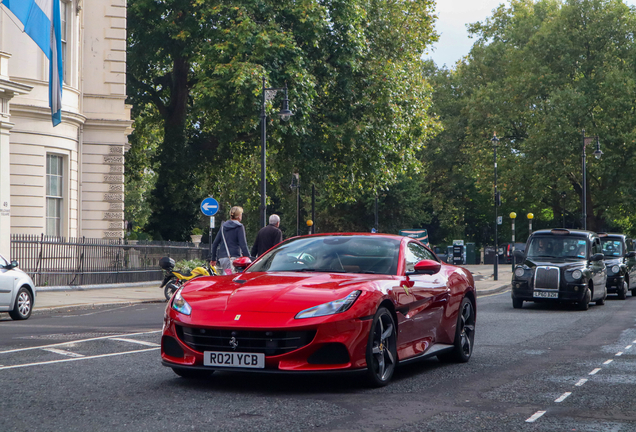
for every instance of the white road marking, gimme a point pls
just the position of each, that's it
(535, 416)
(63, 352)
(563, 397)
(76, 359)
(503, 292)
(581, 382)
(595, 371)
(627, 347)
(77, 341)
(98, 312)
(620, 353)
(608, 361)
(634, 342)
(136, 341)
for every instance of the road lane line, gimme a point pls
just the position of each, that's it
(98, 312)
(137, 342)
(627, 347)
(535, 416)
(563, 397)
(595, 371)
(76, 359)
(581, 382)
(620, 353)
(608, 361)
(77, 341)
(503, 292)
(62, 352)
(634, 342)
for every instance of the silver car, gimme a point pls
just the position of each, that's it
(17, 292)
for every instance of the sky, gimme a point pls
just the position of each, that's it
(453, 15)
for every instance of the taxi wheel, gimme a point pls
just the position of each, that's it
(601, 301)
(192, 373)
(517, 303)
(622, 293)
(585, 304)
(634, 292)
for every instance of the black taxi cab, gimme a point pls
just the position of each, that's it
(560, 265)
(620, 261)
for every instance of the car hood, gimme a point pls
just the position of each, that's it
(563, 264)
(613, 261)
(285, 292)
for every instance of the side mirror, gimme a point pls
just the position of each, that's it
(519, 255)
(597, 257)
(631, 254)
(241, 263)
(427, 267)
(14, 264)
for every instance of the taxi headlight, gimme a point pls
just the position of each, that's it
(330, 308)
(616, 269)
(519, 271)
(577, 274)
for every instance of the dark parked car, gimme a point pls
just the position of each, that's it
(620, 262)
(560, 265)
(505, 251)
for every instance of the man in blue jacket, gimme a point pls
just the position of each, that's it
(232, 242)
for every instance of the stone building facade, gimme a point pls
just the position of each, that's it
(67, 180)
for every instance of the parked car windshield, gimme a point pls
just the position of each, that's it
(612, 247)
(333, 254)
(557, 247)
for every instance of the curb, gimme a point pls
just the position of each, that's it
(122, 285)
(496, 290)
(93, 305)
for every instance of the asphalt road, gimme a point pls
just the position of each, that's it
(567, 370)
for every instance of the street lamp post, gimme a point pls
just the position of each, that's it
(530, 217)
(597, 153)
(285, 113)
(295, 183)
(495, 141)
(513, 216)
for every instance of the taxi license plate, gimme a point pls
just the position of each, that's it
(234, 359)
(543, 294)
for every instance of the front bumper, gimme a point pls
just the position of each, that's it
(348, 335)
(568, 292)
(614, 283)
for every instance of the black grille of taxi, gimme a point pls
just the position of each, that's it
(270, 343)
(546, 277)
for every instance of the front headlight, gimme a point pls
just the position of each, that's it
(616, 269)
(577, 274)
(334, 307)
(519, 271)
(180, 305)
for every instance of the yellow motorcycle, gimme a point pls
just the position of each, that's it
(174, 279)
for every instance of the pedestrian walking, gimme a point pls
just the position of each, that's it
(231, 240)
(268, 237)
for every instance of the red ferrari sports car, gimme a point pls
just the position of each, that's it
(325, 302)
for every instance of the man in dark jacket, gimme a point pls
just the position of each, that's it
(268, 237)
(232, 242)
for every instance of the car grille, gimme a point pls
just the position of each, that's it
(547, 278)
(270, 343)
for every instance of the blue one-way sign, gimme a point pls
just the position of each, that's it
(209, 206)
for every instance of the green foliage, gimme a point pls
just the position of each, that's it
(188, 265)
(197, 231)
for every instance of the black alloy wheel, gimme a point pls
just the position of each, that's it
(192, 373)
(23, 305)
(622, 292)
(381, 349)
(464, 335)
(601, 301)
(517, 303)
(585, 303)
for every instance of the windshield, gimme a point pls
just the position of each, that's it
(557, 247)
(612, 247)
(333, 254)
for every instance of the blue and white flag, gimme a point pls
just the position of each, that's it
(41, 20)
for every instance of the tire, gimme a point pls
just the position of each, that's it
(634, 292)
(517, 303)
(622, 293)
(585, 304)
(601, 301)
(381, 349)
(169, 290)
(192, 373)
(23, 305)
(464, 335)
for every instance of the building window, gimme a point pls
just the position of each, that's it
(54, 185)
(65, 8)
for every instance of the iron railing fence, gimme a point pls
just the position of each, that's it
(58, 261)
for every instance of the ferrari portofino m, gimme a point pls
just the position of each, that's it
(325, 302)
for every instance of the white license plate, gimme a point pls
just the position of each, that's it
(544, 294)
(234, 359)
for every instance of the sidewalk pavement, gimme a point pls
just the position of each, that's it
(87, 296)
